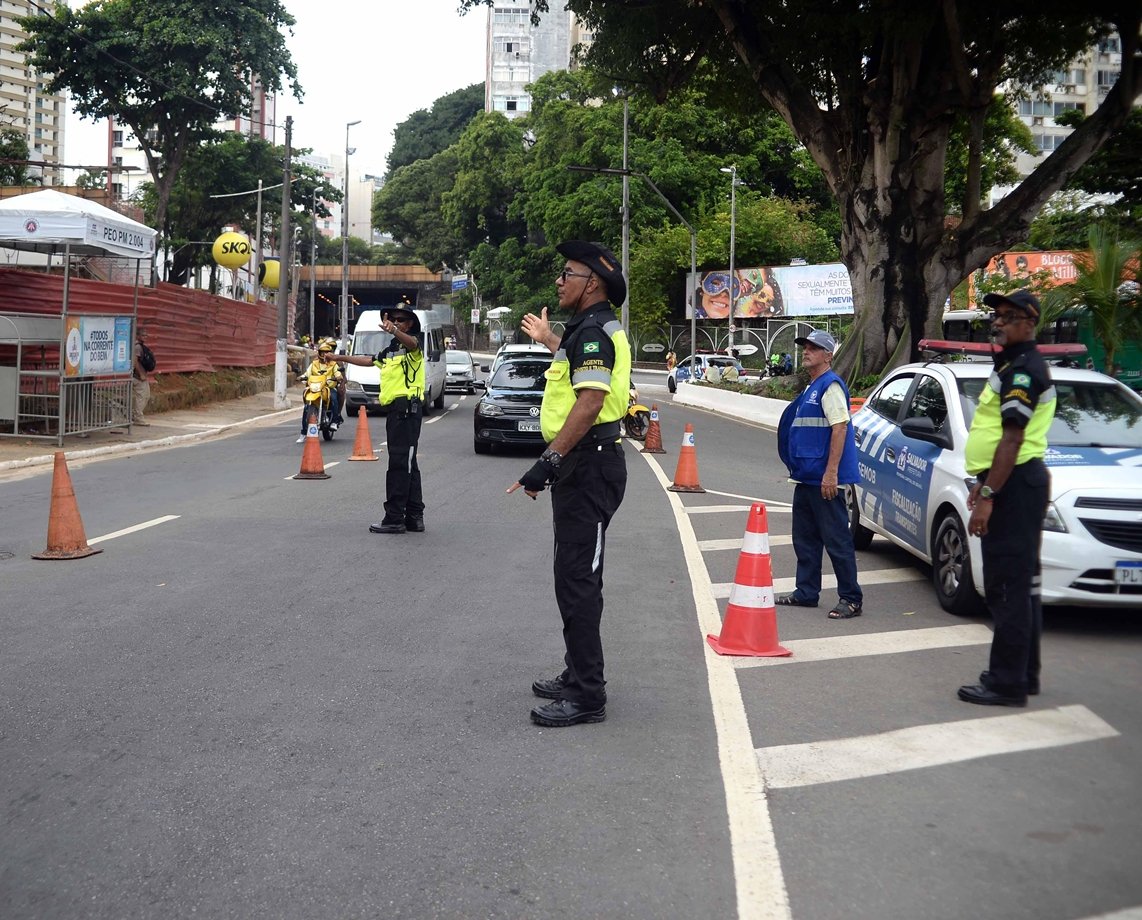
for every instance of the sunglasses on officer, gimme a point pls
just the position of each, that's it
(1008, 317)
(567, 273)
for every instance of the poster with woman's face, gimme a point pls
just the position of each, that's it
(756, 293)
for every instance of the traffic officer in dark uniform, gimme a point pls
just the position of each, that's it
(402, 394)
(1004, 451)
(584, 398)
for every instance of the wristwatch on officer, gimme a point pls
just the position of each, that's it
(987, 493)
(553, 457)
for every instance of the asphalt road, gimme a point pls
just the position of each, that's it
(255, 708)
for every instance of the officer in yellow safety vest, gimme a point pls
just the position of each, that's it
(1008, 502)
(401, 363)
(585, 396)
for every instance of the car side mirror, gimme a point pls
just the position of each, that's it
(434, 355)
(486, 368)
(924, 429)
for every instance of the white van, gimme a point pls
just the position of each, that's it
(363, 384)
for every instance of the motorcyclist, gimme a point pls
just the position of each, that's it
(329, 372)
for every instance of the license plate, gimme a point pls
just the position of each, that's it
(1128, 573)
(527, 426)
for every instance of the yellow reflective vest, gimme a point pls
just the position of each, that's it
(1019, 389)
(402, 374)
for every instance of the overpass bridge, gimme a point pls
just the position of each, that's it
(371, 287)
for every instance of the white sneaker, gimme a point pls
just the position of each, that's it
(335, 425)
(300, 439)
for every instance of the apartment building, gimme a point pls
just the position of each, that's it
(519, 53)
(24, 102)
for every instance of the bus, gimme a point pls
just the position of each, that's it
(1071, 326)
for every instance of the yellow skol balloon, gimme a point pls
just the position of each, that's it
(231, 250)
(269, 273)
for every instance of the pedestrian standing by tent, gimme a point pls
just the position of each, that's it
(401, 363)
(1004, 451)
(815, 440)
(143, 363)
(586, 394)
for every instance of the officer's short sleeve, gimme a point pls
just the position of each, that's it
(1020, 387)
(592, 360)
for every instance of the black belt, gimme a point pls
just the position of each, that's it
(599, 436)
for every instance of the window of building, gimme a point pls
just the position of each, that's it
(1111, 45)
(1048, 142)
(1061, 107)
(1106, 77)
(116, 138)
(511, 105)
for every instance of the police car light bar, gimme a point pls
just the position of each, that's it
(987, 349)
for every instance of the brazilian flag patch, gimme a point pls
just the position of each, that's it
(1021, 380)
(590, 348)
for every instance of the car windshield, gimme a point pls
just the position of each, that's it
(370, 343)
(457, 357)
(525, 374)
(1087, 414)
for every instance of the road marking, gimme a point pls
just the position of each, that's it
(707, 546)
(867, 577)
(715, 509)
(1130, 913)
(750, 498)
(136, 528)
(793, 765)
(829, 648)
(758, 879)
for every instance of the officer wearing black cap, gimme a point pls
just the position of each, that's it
(1004, 451)
(401, 363)
(584, 398)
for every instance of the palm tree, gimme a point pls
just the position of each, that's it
(1106, 285)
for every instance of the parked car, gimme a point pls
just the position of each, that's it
(702, 360)
(913, 487)
(528, 350)
(508, 412)
(461, 371)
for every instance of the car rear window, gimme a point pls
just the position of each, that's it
(520, 374)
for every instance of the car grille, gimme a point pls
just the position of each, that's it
(1110, 504)
(1101, 581)
(516, 411)
(372, 389)
(1121, 534)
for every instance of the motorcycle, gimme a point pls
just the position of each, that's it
(318, 403)
(636, 423)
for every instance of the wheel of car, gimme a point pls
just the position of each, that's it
(481, 447)
(951, 568)
(862, 536)
(671, 385)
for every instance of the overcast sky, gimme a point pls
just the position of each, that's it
(357, 59)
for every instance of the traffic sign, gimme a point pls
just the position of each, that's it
(459, 282)
(475, 316)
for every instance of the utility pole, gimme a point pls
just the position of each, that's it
(284, 238)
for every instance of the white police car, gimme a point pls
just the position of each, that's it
(913, 488)
(702, 361)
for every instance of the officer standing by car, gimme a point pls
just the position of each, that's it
(402, 394)
(1008, 502)
(585, 397)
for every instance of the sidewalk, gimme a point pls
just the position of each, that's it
(165, 430)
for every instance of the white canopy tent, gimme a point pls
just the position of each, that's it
(51, 221)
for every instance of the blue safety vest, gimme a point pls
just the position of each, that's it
(803, 436)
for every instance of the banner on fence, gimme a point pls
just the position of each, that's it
(97, 346)
(760, 293)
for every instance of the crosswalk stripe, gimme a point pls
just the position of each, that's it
(793, 765)
(727, 509)
(872, 577)
(707, 546)
(828, 648)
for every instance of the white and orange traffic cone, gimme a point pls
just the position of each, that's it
(686, 474)
(653, 442)
(363, 444)
(66, 539)
(312, 466)
(750, 625)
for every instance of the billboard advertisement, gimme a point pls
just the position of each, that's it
(97, 346)
(1016, 266)
(761, 293)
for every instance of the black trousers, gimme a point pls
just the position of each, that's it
(589, 491)
(1011, 576)
(403, 496)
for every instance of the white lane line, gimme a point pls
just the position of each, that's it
(865, 577)
(792, 765)
(1130, 913)
(707, 546)
(714, 509)
(136, 528)
(829, 648)
(749, 498)
(758, 879)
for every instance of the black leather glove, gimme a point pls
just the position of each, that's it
(537, 478)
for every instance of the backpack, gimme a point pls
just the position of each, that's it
(146, 357)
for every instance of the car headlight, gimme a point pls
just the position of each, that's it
(487, 408)
(353, 385)
(1053, 521)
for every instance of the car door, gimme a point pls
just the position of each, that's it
(877, 434)
(916, 463)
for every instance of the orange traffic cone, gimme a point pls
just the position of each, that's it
(66, 539)
(312, 466)
(363, 446)
(686, 475)
(653, 442)
(750, 625)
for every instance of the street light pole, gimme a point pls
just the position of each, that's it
(733, 171)
(345, 238)
(284, 239)
(312, 268)
(625, 318)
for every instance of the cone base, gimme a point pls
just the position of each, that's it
(678, 488)
(722, 649)
(312, 476)
(653, 450)
(79, 553)
(374, 457)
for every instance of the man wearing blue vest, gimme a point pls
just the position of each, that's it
(586, 393)
(815, 440)
(1008, 502)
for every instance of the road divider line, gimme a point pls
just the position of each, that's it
(867, 577)
(758, 880)
(829, 648)
(794, 765)
(707, 546)
(136, 528)
(716, 509)
(769, 504)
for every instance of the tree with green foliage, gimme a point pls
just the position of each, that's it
(13, 156)
(1114, 171)
(409, 206)
(1004, 137)
(873, 92)
(426, 132)
(166, 69)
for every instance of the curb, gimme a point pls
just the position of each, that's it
(129, 447)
